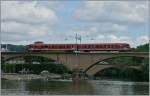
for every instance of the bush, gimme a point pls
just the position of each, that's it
(36, 68)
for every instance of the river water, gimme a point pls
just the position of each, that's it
(62, 87)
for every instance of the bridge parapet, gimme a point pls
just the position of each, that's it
(100, 67)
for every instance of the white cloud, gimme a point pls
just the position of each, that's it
(112, 39)
(142, 40)
(118, 28)
(113, 16)
(114, 12)
(22, 21)
(27, 12)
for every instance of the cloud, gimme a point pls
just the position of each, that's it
(113, 12)
(142, 40)
(22, 21)
(95, 21)
(113, 16)
(112, 39)
(27, 12)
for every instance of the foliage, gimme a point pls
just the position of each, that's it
(16, 48)
(35, 68)
(127, 73)
(125, 60)
(39, 59)
(142, 48)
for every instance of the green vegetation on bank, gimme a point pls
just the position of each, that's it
(16, 48)
(126, 73)
(142, 48)
(35, 68)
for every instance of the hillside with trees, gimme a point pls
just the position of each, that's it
(15, 48)
(142, 48)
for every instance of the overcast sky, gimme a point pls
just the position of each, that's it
(25, 22)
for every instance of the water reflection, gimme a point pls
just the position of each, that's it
(120, 88)
(42, 87)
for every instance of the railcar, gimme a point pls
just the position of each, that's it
(40, 46)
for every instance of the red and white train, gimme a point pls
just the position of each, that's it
(41, 47)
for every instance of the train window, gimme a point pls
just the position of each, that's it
(89, 46)
(71, 46)
(127, 46)
(42, 46)
(49, 46)
(60, 46)
(117, 46)
(56, 46)
(52, 46)
(63, 46)
(33, 46)
(45, 46)
(112, 46)
(106, 46)
(85, 46)
(67, 46)
(94, 46)
(100, 46)
(80, 46)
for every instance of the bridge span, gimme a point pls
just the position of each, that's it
(85, 61)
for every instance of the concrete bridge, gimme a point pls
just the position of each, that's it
(85, 61)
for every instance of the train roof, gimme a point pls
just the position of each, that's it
(75, 44)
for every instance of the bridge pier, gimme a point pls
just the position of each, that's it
(78, 74)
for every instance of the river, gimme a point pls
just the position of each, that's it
(62, 87)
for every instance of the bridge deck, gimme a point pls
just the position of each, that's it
(74, 53)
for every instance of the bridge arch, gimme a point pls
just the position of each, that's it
(23, 57)
(117, 72)
(102, 71)
(105, 66)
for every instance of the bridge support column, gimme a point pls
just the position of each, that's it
(78, 75)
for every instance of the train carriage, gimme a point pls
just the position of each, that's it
(40, 46)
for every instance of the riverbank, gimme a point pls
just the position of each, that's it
(15, 76)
